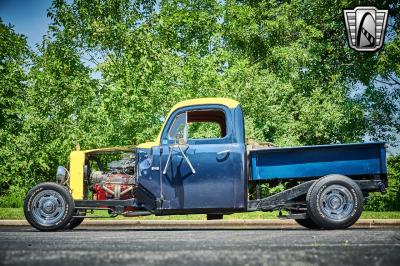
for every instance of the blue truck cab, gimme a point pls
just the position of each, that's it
(213, 176)
(200, 164)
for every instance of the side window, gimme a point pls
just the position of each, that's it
(206, 124)
(204, 130)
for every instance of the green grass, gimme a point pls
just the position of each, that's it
(11, 213)
(18, 213)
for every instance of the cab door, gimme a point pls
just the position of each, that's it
(200, 163)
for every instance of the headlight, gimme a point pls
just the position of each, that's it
(61, 174)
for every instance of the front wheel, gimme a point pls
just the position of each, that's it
(334, 202)
(48, 207)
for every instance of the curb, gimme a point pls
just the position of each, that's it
(212, 223)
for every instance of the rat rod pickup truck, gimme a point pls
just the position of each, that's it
(200, 164)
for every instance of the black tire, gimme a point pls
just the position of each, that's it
(334, 202)
(48, 207)
(215, 216)
(307, 223)
(74, 222)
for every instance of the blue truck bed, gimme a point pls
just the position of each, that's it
(365, 160)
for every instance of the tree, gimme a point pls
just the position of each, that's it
(14, 60)
(389, 201)
(14, 56)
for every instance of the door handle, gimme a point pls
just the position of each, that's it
(222, 154)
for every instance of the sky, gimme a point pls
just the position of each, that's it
(29, 18)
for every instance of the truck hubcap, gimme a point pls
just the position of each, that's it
(336, 202)
(48, 207)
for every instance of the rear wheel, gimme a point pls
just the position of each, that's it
(307, 222)
(334, 202)
(48, 207)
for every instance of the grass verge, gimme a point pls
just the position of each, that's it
(18, 214)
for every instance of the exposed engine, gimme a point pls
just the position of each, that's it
(119, 182)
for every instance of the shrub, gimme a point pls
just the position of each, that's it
(14, 198)
(389, 201)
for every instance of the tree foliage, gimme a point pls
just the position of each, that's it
(108, 71)
(389, 201)
(14, 60)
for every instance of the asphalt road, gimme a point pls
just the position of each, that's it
(153, 246)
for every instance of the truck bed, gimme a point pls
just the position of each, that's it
(359, 161)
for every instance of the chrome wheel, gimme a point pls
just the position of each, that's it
(48, 207)
(336, 202)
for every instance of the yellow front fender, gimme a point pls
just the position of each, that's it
(77, 163)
